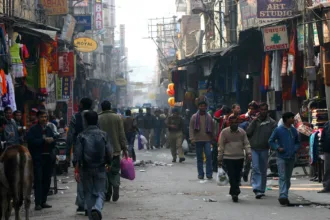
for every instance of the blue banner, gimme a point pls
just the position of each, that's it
(66, 87)
(84, 20)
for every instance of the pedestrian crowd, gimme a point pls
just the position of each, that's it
(226, 140)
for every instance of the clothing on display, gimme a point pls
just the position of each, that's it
(17, 65)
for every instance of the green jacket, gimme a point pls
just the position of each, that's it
(112, 124)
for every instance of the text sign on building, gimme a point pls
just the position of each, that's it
(270, 9)
(275, 38)
(66, 87)
(66, 64)
(84, 20)
(98, 15)
(55, 7)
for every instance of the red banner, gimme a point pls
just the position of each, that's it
(65, 64)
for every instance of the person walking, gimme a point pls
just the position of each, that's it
(165, 134)
(113, 125)
(325, 145)
(11, 132)
(285, 141)
(77, 126)
(233, 146)
(259, 132)
(41, 143)
(140, 120)
(201, 133)
(92, 153)
(175, 126)
(149, 128)
(158, 127)
(130, 127)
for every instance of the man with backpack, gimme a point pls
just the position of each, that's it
(92, 153)
(75, 128)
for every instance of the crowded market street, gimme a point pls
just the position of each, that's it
(173, 192)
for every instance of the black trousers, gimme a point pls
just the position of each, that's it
(215, 158)
(43, 171)
(234, 169)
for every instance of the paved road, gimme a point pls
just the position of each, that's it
(174, 193)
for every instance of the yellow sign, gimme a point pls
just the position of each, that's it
(121, 82)
(85, 45)
(55, 7)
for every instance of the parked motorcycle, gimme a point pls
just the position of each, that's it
(61, 163)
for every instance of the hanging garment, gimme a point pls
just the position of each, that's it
(11, 92)
(3, 83)
(17, 65)
(276, 71)
(262, 78)
(24, 54)
(286, 87)
(266, 72)
(292, 53)
(284, 64)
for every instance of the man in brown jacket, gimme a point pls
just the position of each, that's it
(233, 146)
(201, 132)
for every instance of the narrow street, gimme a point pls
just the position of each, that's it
(173, 192)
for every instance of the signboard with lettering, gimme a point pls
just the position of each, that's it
(85, 45)
(55, 7)
(85, 21)
(58, 86)
(66, 64)
(68, 28)
(248, 13)
(98, 15)
(275, 38)
(66, 87)
(275, 9)
(80, 3)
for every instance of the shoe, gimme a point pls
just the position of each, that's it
(115, 195)
(201, 177)
(284, 201)
(46, 206)
(258, 195)
(38, 208)
(96, 215)
(107, 197)
(234, 198)
(209, 177)
(86, 213)
(245, 178)
(263, 195)
(182, 159)
(174, 161)
(80, 209)
(324, 191)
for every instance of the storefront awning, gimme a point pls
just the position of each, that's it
(39, 33)
(319, 6)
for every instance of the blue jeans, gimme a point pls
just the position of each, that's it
(259, 170)
(285, 168)
(206, 148)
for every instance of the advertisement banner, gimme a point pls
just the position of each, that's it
(85, 21)
(98, 15)
(249, 13)
(275, 9)
(85, 44)
(66, 64)
(58, 87)
(275, 38)
(68, 28)
(55, 7)
(66, 87)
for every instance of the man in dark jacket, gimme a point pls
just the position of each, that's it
(92, 153)
(158, 127)
(75, 128)
(175, 126)
(259, 132)
(148, 128)
(325, 144)
(41, 145)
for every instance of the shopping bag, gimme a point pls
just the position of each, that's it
(185, 146)
(222, 178)
(144, 140)
(140, 144)
(127, 168)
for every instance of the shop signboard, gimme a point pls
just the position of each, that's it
(66, 87)
(275, 9)
(58, 86)
(300, 37)
(248, 13)
(85, 45)
(275, 38)
(80, 3)
(98, 15)
(66, 64)
(85, 21)
(68, 28)
(55, 7)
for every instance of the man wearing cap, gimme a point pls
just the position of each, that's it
(175, 126)
(201, 132)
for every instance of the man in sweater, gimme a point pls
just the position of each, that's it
(113, 125)
(233, 146)
(259, 132)
(201, 132)
(286, 142)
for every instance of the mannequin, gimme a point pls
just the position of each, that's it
(17, 65)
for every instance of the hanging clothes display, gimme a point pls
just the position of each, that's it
(11, 93)
(319, 117)
(276, 71)
(284, 64)
(266, 72)
(24, 54)
(3, 83)
(17, 65)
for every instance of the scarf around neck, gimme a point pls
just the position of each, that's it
(208, 122)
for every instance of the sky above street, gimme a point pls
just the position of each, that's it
(141, 52)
